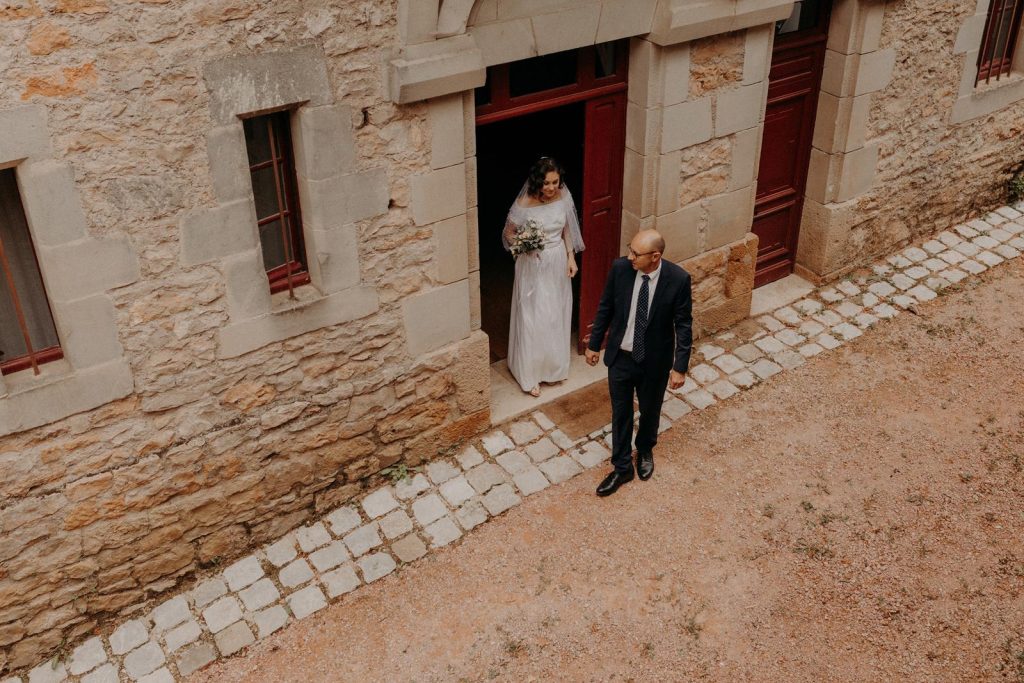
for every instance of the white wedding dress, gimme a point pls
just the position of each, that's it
(540, 325)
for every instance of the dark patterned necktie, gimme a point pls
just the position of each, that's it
(640, 324)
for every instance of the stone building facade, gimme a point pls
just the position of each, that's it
(194, 412)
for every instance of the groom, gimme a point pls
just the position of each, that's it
(646, 310)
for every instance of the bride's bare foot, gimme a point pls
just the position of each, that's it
(535, 392)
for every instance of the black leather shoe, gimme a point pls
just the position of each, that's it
(644, 465)
(612, 483)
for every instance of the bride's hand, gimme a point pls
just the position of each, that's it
(573, 269)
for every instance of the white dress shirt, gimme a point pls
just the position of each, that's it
(627, 338)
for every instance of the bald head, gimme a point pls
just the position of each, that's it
(645, 250)
(649, 240)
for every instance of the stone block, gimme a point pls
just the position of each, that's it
(232, 639)
(195, 658)
(409, 549)
(514, 462)
(418, 21)
(566, 30)
(683, 232)
(144, 660)
(435, 68)
(88, 330)
(324, 143)
(340, 581)
(260, 82)
(312, 537)
(437, 195)
(429, 509)
(51, 203)
(542, 450)
(667, 195)
(410, 488)
(505, 41)
(207, 592)
(229, 163)
(243, 573)
(23, 133)
(746, 156)
(447, 131)
(473, 234)
(676, 64)
(264, 592)
(307, 601)
(282, 551)
(87, 656)
(170, 613)
(380, 502)
(180, 636)
(211, 234)
(105, 674)
(625, 18)
(530, 480)
(483, 477)
(70, 270)
(559, 469)
(739, 109)
(248, 293)
(342, 199)
(686, 124)
(857, 174)
(333, 258)
(363, 539)
(639, 183)
(376, 566)
(128, 636)
(471, 515)
(451, 249)
(646, 73)
(440, 471)
(501, 498)
(757, 51)
(730, 216)
(295, 574)
(524, 431)
(222, 614)
(270, 620)
(643, 128)
(442, 532)
(875, 71)
(396, 524)
(426, 331)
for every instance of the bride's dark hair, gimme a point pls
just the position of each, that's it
(540, 170)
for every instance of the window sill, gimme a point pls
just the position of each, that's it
(987, 98)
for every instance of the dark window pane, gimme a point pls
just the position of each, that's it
(482, 95)
(264, 192)
(604, 65)
(28, 281)
(256, 141)
(805, 16)
(273, 245)
(542, 73)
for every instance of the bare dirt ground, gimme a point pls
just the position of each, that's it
(858, 519)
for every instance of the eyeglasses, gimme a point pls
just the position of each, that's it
(636, 255)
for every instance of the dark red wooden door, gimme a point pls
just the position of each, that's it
(600, 206)
(793, 86)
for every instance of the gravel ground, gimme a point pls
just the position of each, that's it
(857, 519)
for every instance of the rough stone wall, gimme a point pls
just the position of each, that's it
(930, 172)
(103, 510)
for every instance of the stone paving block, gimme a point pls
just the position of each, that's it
(380, 502)
(748, 353)
(307, 601)
(542, 450)
(161, 675)
(264, 592)
(608, 442)
(664, 424)
(830, 295)
(48, 673)
(973, 267)
(343, 520)
(827, 341)
(144, 660)
(688, 385)
(411, 488)
(87, 656)
(967, 249)
(902, 281)
(497, 442)
(231, 640)
(1015, 228)
(952, 257)
(699, 399)
(195, 658)
(882, 289)
(810, 350)
(790, 337)
(848, 288)
(441, 471)
(989, 259)
(442, 532)
(999, 235)
(503, 496)
(594, 454)
(1009, 212)
(904, 301)
(1007, 252)
(363, 539)
(770, 345)
(864, 320)
(530, 481)
(965, 231)
(980, 225)
(341, 580)
(429, 509)
(787, 315)
(744, 379)
(524, 431)
(397, 523)
(935, 264)
(789, 359)
(770, 323)
(270, 620)
(869, 299)
(411, 547)
(882, 269)
(722, 389)
(105, 674)
(949, 238)
(376, 566)
(513, 462)
(457, 491)
(810, 328)
(808, 306)
(483, 477)
(471, 514)
(312, 537)
(543, 420)
(558, 469)
(885, 311)
(283, 550)
(243, 573)
(985, 242)
(916, 272)
(922, 293)
(208, 591)
(469, 457)
(170, 613)
(295, 574)
(846, 331)
(936, 284)
(993, 218)
(128, 636)
(703, 373)
(848, 309)
(898, 261)
(915, 254)
(710, 351)
(675, 408)
(933, 246)
(1017, 243)
(828, 318)
(180, 636)
(729, 363)
(765, 368)
(222, 614)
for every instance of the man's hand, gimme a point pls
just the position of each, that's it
(592, 357)
(675, 379)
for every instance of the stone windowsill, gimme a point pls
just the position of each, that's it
(990, 97)
(26, 380)
(305, 295)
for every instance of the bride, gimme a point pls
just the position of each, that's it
(540, 325)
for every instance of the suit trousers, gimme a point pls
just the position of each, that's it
(626, 377)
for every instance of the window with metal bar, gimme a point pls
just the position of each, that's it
(999, 40)
(272, 171)
(28, 337)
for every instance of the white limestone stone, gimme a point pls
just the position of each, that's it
(380, 502)
(363, 539)
(848, 288)
(457, 491)
(283, 551)
(396, 523)
(999, 235)
(699, 399)
(933, 246)
(440, 471)
(428, 509)
(989, 259)
(144, 660)
(973, 267)
(443, 531)
(904, 301)
(827, 341)
(88, 656)
(270, 620)
(307, 601)
(936, 283)
(503, 496)
(105, 674)
(128, 636)
(410, 488)
(790, 337)
(966, 231)
(222, 614)
(788, 359)
(770, 323)
(513, 462)
(922, 293)
(828, 318)
(312, 537)
(952, 257)
(328, 557)
(729, 363)
(203, 594)
(376, 566)
(234, 638)
(295, 574)
(48, 673)
(830, 295)
(968, 249)
(703, 373)
(808, 306)
(846, 331)
(770, 345)
(561, 440)
(847, 309)
(810, 350)
(898, 261)
(915, 254)
(470, 515)
(161, 675)
(885, 311)
(903, 282)
(180, 636)
(244, 572)
(674, 408)
(985, 242)
(864, 320)
(1007, 251)
(710, 351)
(340, 581)
(497, 442)
(470, 457)
(765, 368)
(524, 431)
(541, 419)
(341, 521)
(483, 477)
(787, 315)
(542, 450)
(948, 238)
(530, 481)
(558, 469)
(722, 389)
(809, 328)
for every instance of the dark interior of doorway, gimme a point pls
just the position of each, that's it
(505, 152)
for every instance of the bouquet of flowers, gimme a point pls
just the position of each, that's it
(528, 237)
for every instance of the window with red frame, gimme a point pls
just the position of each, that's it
(268, 142)
(28, 337)
(998, 42)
